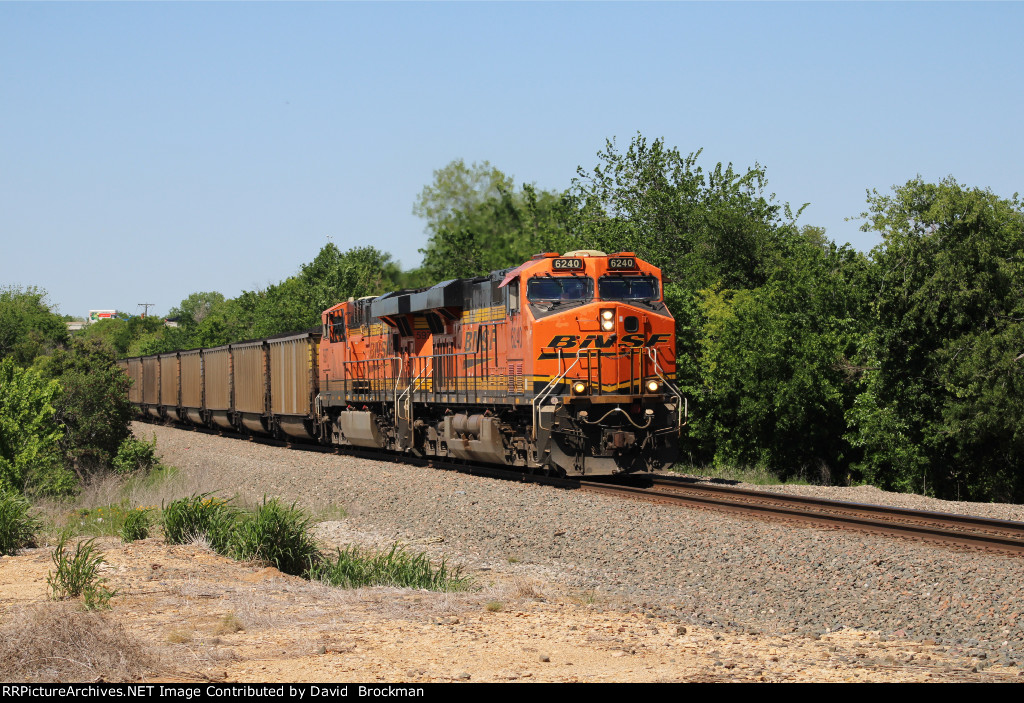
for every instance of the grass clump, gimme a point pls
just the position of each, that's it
(17, 527)
(136, 525)
(228, 624)
(200, 517)
(356, 568)
(78, 575)
(278, 535)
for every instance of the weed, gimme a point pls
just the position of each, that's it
(355, 568)
(179, 636)
(495, 606)
(16, 525)
(229, 624)
(200, 516)
(588, 597)
(277, 535)
(104, 521)
(136, 525)
(79, 575)
(758, 475)
(329, 513)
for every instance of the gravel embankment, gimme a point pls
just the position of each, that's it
(700, 566)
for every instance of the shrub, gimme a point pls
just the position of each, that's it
(135, 455)
(277, 535)
(16, 525)
(136, 525)
(200, 516)
(355, 568)
(79, 575)
(93, 407)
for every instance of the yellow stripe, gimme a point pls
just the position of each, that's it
(495, 312)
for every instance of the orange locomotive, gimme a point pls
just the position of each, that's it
(565, 363)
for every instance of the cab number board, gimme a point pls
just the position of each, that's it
(567, 264)
(621, 262)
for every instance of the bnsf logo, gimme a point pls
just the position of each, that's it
(601, 341)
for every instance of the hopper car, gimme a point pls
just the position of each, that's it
(564, 364)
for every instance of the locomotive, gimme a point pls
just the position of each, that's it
(564, 364)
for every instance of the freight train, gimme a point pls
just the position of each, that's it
(564, 364)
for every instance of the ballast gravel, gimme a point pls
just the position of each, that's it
(695, 566)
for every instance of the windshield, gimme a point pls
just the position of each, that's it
(628, 288)
(562, 288)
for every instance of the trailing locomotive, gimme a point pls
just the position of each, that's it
(565, 363)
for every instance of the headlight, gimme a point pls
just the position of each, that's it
(579, 387)
(607, 325)
(607, 314)
(653, 386)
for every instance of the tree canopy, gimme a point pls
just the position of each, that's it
(943, 407)
(28, 326)
(477, 222)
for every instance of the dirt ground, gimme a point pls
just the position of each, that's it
(203, 617)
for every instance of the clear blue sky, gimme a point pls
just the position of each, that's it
(150, 150)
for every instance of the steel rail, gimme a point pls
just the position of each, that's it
(946, 528)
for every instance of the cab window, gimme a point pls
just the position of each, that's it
(628, 288)
(551, 289)
(336, 326)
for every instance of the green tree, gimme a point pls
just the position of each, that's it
(333, 277)
(191, 311)
(29, 431)
(477, 222)
(702, 228)
(28, 327)
(458, 189)
(93, 409)
(943, 407)
(775, 366)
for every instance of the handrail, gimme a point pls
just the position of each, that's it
(653, 353)
(409, 388)
(549, 389)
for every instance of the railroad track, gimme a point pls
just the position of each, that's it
(945, 528)
(948, 529)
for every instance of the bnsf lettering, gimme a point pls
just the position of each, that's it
(481, 339)
(595, 341)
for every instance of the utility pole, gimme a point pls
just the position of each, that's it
(146, 307)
